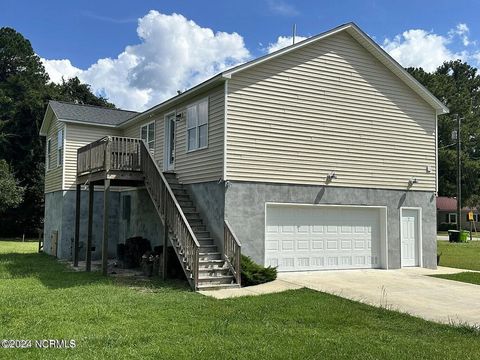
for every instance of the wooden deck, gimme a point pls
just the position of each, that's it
(111, 158)
(120, 161)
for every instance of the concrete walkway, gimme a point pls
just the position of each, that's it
(407, 290)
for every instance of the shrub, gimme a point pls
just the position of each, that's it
(254, 274)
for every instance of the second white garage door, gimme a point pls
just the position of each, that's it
(300, 238)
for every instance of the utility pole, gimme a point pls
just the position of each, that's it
(459, 176)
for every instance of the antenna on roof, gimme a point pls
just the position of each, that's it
(294, 33)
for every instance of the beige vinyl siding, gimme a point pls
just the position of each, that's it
(133, 131)
(329, 106)
(199, 165)
(76, 137)
(53, 176)
(204, 164)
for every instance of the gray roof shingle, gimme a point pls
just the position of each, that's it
(90, 114)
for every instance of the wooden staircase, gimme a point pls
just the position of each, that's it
(214, 273)
(121, 161)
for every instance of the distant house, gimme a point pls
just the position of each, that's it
(447, 214)
(320, 156)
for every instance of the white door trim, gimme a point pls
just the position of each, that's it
(383, 224)
(166, 144)
(419, 233)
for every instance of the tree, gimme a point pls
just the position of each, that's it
(457, 84)
(24, 94)
(73, 90)
(11, 195)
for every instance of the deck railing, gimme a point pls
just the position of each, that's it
(171, 213)
(232, 251)
(109, 153)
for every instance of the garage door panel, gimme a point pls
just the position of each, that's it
(314, 238)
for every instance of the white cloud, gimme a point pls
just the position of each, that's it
(282, 8)
(283, 41)
(173, 53)
(463, 32)
(420, 48)
(57, 69)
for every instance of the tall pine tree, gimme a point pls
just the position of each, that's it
(24, 93)
(457, 84)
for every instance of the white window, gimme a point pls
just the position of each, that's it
(452, 218)
(197, 125)
(48, 156)
(60, 147)
(147, 134)
(476, 217)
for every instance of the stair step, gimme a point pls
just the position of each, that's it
(214, 273)
(189, 209)
(195, 222)
(211, 264)
(174, 186)
(180, 192)
(192, 215)
(198, 228)
(205, 287)
(221, 279)
(205, 241)
(202, 234)
(206, 256)
(182, 197)
(185, 204)
(205, 248)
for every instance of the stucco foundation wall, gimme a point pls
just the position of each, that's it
(209, 199)
(143, 220)
(68, 230)
(52, 219)
(245, 211)
(60, 215)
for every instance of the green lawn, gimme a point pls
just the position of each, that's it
(460, 255)
(109, 319)
(467, 276)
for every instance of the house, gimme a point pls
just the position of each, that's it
(447, 215)
(321, 155)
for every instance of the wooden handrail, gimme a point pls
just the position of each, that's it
(231, 252)
(109, 153)
(113, 153)
(171, 214)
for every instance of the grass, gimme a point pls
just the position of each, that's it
(111, 319)
(459, 255)
(467, 276)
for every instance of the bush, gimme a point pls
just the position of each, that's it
(447, 226)
(254, 274)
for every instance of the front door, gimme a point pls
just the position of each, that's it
(169, 153)
(410, 236)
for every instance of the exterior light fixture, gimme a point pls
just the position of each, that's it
(332, 175)
(412, 181)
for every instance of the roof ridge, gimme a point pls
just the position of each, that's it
(92, 106)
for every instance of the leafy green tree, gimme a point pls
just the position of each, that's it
(11, 195)
(24, 94)
(72, 90)
(457, 84)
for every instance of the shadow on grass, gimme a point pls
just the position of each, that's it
(55, 275)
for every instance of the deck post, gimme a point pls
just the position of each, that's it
(165, 235)
(88, 257)
(76, 240)
(106, 211)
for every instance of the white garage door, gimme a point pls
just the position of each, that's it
(299, 238)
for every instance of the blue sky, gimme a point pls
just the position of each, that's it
(139, 63)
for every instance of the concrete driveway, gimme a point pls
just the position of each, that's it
(407, 290)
